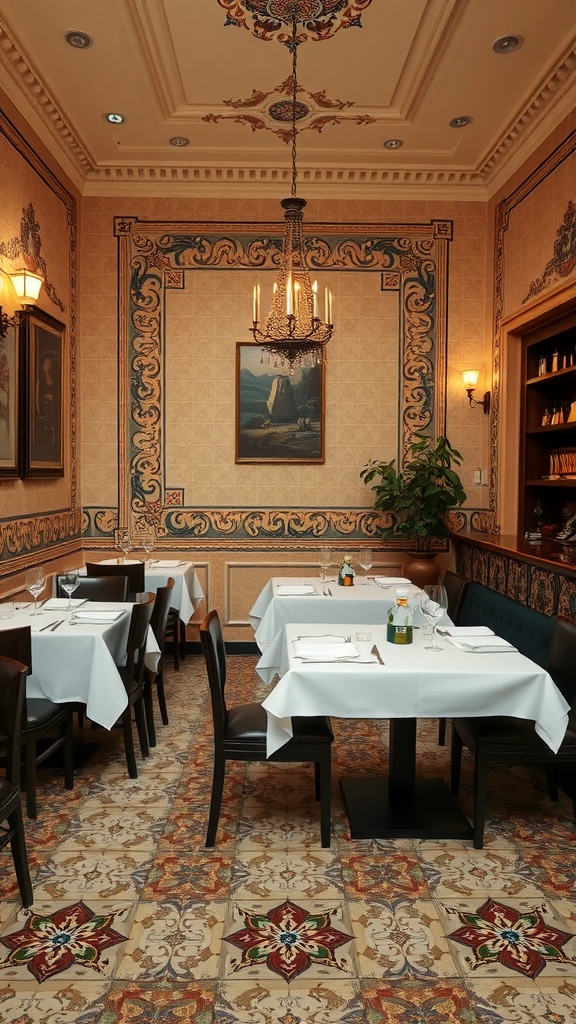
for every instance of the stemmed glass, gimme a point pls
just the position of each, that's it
(366, 560)
(35, 583)
(325, 561)
(69, 581)
(148, 540)
(433, 605)
(123, 542)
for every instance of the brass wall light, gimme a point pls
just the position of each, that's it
(27, 288)
(470, 378)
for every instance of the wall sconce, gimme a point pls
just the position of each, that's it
(26, 285)
(470, 378)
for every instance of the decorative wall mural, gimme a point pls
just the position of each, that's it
(563, 262)
(310, 111)
(317, 19)
(28, 248)
(411, 259)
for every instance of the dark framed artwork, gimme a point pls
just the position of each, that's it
(9, 404)
(43, 376)
(279, 415)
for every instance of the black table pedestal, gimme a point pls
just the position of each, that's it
(432, 814)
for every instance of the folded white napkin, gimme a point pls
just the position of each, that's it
(464, 631)
(57, 603)
(96, 616)
(479, 645)
(165, 564)
(390, 581)
(118, 561)
(311, 650)
(289, 590)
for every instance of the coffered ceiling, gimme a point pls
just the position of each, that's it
(214, 72)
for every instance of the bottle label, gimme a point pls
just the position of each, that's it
(398, 634)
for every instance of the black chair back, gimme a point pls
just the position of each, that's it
(135, 571)
(97, 588)
(214, 651)
(12, 696)
(561, 662)
(16, 643)
(136, 642)
(160, 612)
(456, 587)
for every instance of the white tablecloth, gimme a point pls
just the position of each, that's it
(413, 683)
(77, 663)
(187, 593)
(364, 602)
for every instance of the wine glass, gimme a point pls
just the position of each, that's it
(123, 542)
(366, 560)
(35, 583)
(325, 561)
(148, 540)
(69, 581)
(433, 605)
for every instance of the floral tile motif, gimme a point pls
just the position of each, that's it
(296, 873)
(554, 869)
(132, 828)
(112, 874)
(185, 828)
(520, 940)
(160, 1002)
(199, 876)
(409, 1003)
(171, 939)
(301, 1002)
(467, 872)
(522, 1000)
(279, 825)
(400, 938)
(51, 943)
(383, 875)
(57, 1001)
(288, 939)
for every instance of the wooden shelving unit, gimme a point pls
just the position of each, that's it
(548, 436)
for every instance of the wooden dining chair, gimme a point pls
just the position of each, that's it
(12, 697)
(97, 588)
(155, 680)
(135, 571)
(176, 636)
(43, 720)
(240, 734)
(456, 586)
(132, 675)
(512, 740)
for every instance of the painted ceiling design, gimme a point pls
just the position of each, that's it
(318, 19)
(314, 111)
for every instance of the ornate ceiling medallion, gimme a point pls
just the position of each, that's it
(272, 19)
(314, 111)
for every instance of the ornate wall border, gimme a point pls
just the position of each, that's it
(154, 257)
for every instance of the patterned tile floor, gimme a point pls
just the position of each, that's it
(135, 922)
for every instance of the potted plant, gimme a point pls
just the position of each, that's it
(417, 497)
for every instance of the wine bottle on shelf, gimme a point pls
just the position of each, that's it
(554, 360)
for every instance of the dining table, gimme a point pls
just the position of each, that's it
(187, 593)
(307, 599)
(349, 670)
(75, 653)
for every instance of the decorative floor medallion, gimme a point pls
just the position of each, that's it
(50, 945)
(288, 940)
(521, 941)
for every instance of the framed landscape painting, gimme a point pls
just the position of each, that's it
(9, 396)
(42, 413)
(279, 415)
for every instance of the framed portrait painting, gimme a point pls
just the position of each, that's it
(9, 404)
(43, 376)
(279, 415)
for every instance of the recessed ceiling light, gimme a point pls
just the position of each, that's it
(460, 122)
(392, 143)
(78, 39)
(114, 118)
(507, 44)
(179, 141)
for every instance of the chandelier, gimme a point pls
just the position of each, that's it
(293, 332)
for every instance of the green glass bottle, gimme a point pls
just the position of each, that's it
(400, 621)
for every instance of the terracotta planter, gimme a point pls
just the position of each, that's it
(421, 567)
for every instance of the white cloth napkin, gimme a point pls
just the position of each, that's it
(59, 603)
(292, 591)
(164, 565)
(390, 581)
(480, 645)
(96, 616)
(464, 631)
(311, 650)
(116, 561)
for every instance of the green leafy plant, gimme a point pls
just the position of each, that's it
(417, 497)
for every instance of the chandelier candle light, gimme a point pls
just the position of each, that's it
(293, 331)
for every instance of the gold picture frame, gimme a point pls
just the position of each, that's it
(43, 360)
